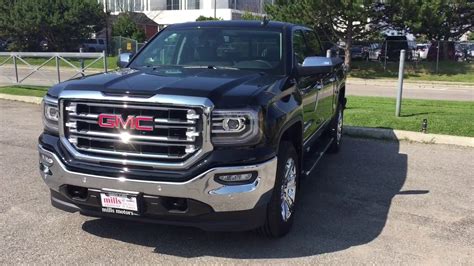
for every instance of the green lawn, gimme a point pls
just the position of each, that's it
(111, 62)
(25, 90)
(448, 71)
(444, 117)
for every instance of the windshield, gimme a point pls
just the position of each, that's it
(248, 49)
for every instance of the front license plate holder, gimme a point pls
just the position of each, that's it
(119, 203)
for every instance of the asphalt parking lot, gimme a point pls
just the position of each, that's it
(375, 202)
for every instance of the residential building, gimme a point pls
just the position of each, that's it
(166, 12)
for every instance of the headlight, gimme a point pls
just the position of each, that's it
(50, 114)
(233, 127)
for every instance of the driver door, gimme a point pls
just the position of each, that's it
(308, 86)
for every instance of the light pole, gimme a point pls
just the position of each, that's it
(215, 9)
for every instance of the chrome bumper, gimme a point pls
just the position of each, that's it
(203, 187)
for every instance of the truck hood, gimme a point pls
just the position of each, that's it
(224, 87)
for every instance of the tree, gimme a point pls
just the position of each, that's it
(250, 16)
(204, 18)
(441, 20)
(436, 20)
(126, 27)
(345, 20)
(471, 36)
(63, 24)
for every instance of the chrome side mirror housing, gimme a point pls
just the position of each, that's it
(314, 65)
(124, 59)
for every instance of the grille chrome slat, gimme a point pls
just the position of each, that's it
(118, 136)
(133, 142)
(132, 154)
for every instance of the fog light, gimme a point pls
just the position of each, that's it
(46, 169)
(47, 160)
(236, 177)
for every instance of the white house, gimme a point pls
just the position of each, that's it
(165, 12)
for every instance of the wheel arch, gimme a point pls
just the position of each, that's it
(293, 132)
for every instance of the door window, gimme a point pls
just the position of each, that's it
(299, 47)
(314, 45)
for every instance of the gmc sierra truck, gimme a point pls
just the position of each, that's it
(211, 125)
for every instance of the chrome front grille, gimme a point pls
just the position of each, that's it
(176, 137)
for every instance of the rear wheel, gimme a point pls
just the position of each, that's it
(336, 130)
(282, 205)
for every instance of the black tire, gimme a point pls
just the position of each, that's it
(336, 130)
(275, 224)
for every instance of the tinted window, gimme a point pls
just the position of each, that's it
(299, 47)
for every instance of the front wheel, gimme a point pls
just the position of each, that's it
(282, 205)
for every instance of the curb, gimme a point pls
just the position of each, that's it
(26, 99)
(398, 135)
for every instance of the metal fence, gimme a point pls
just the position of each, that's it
(436, 57)
(119, 43)
(43, 61)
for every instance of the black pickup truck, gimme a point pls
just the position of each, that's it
(211, 124)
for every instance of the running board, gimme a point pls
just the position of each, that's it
(311, 159)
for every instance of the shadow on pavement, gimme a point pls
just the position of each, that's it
(343, 204)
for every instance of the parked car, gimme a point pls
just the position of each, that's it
(44, 45)
(94, 45)
(422, 51)
(359, 52)
(392, 46)
(447, 51)
(464, 52)
(374, 51)
(4, 45)
(206, 137)
(337, 51)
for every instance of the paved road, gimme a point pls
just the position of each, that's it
(414, 90)
(375, 202)
(384, 88)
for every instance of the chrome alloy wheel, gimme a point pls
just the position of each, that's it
(288, 189)
(340, 122)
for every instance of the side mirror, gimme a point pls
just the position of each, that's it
(315, 65)
(124, 59)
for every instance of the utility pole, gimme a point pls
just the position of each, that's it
(106, 27)
(400, 84)
(215, 9)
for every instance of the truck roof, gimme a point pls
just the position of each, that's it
(234, 23)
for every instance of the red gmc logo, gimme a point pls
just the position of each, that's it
(132, 122)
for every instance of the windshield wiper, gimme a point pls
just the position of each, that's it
(212, 67)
